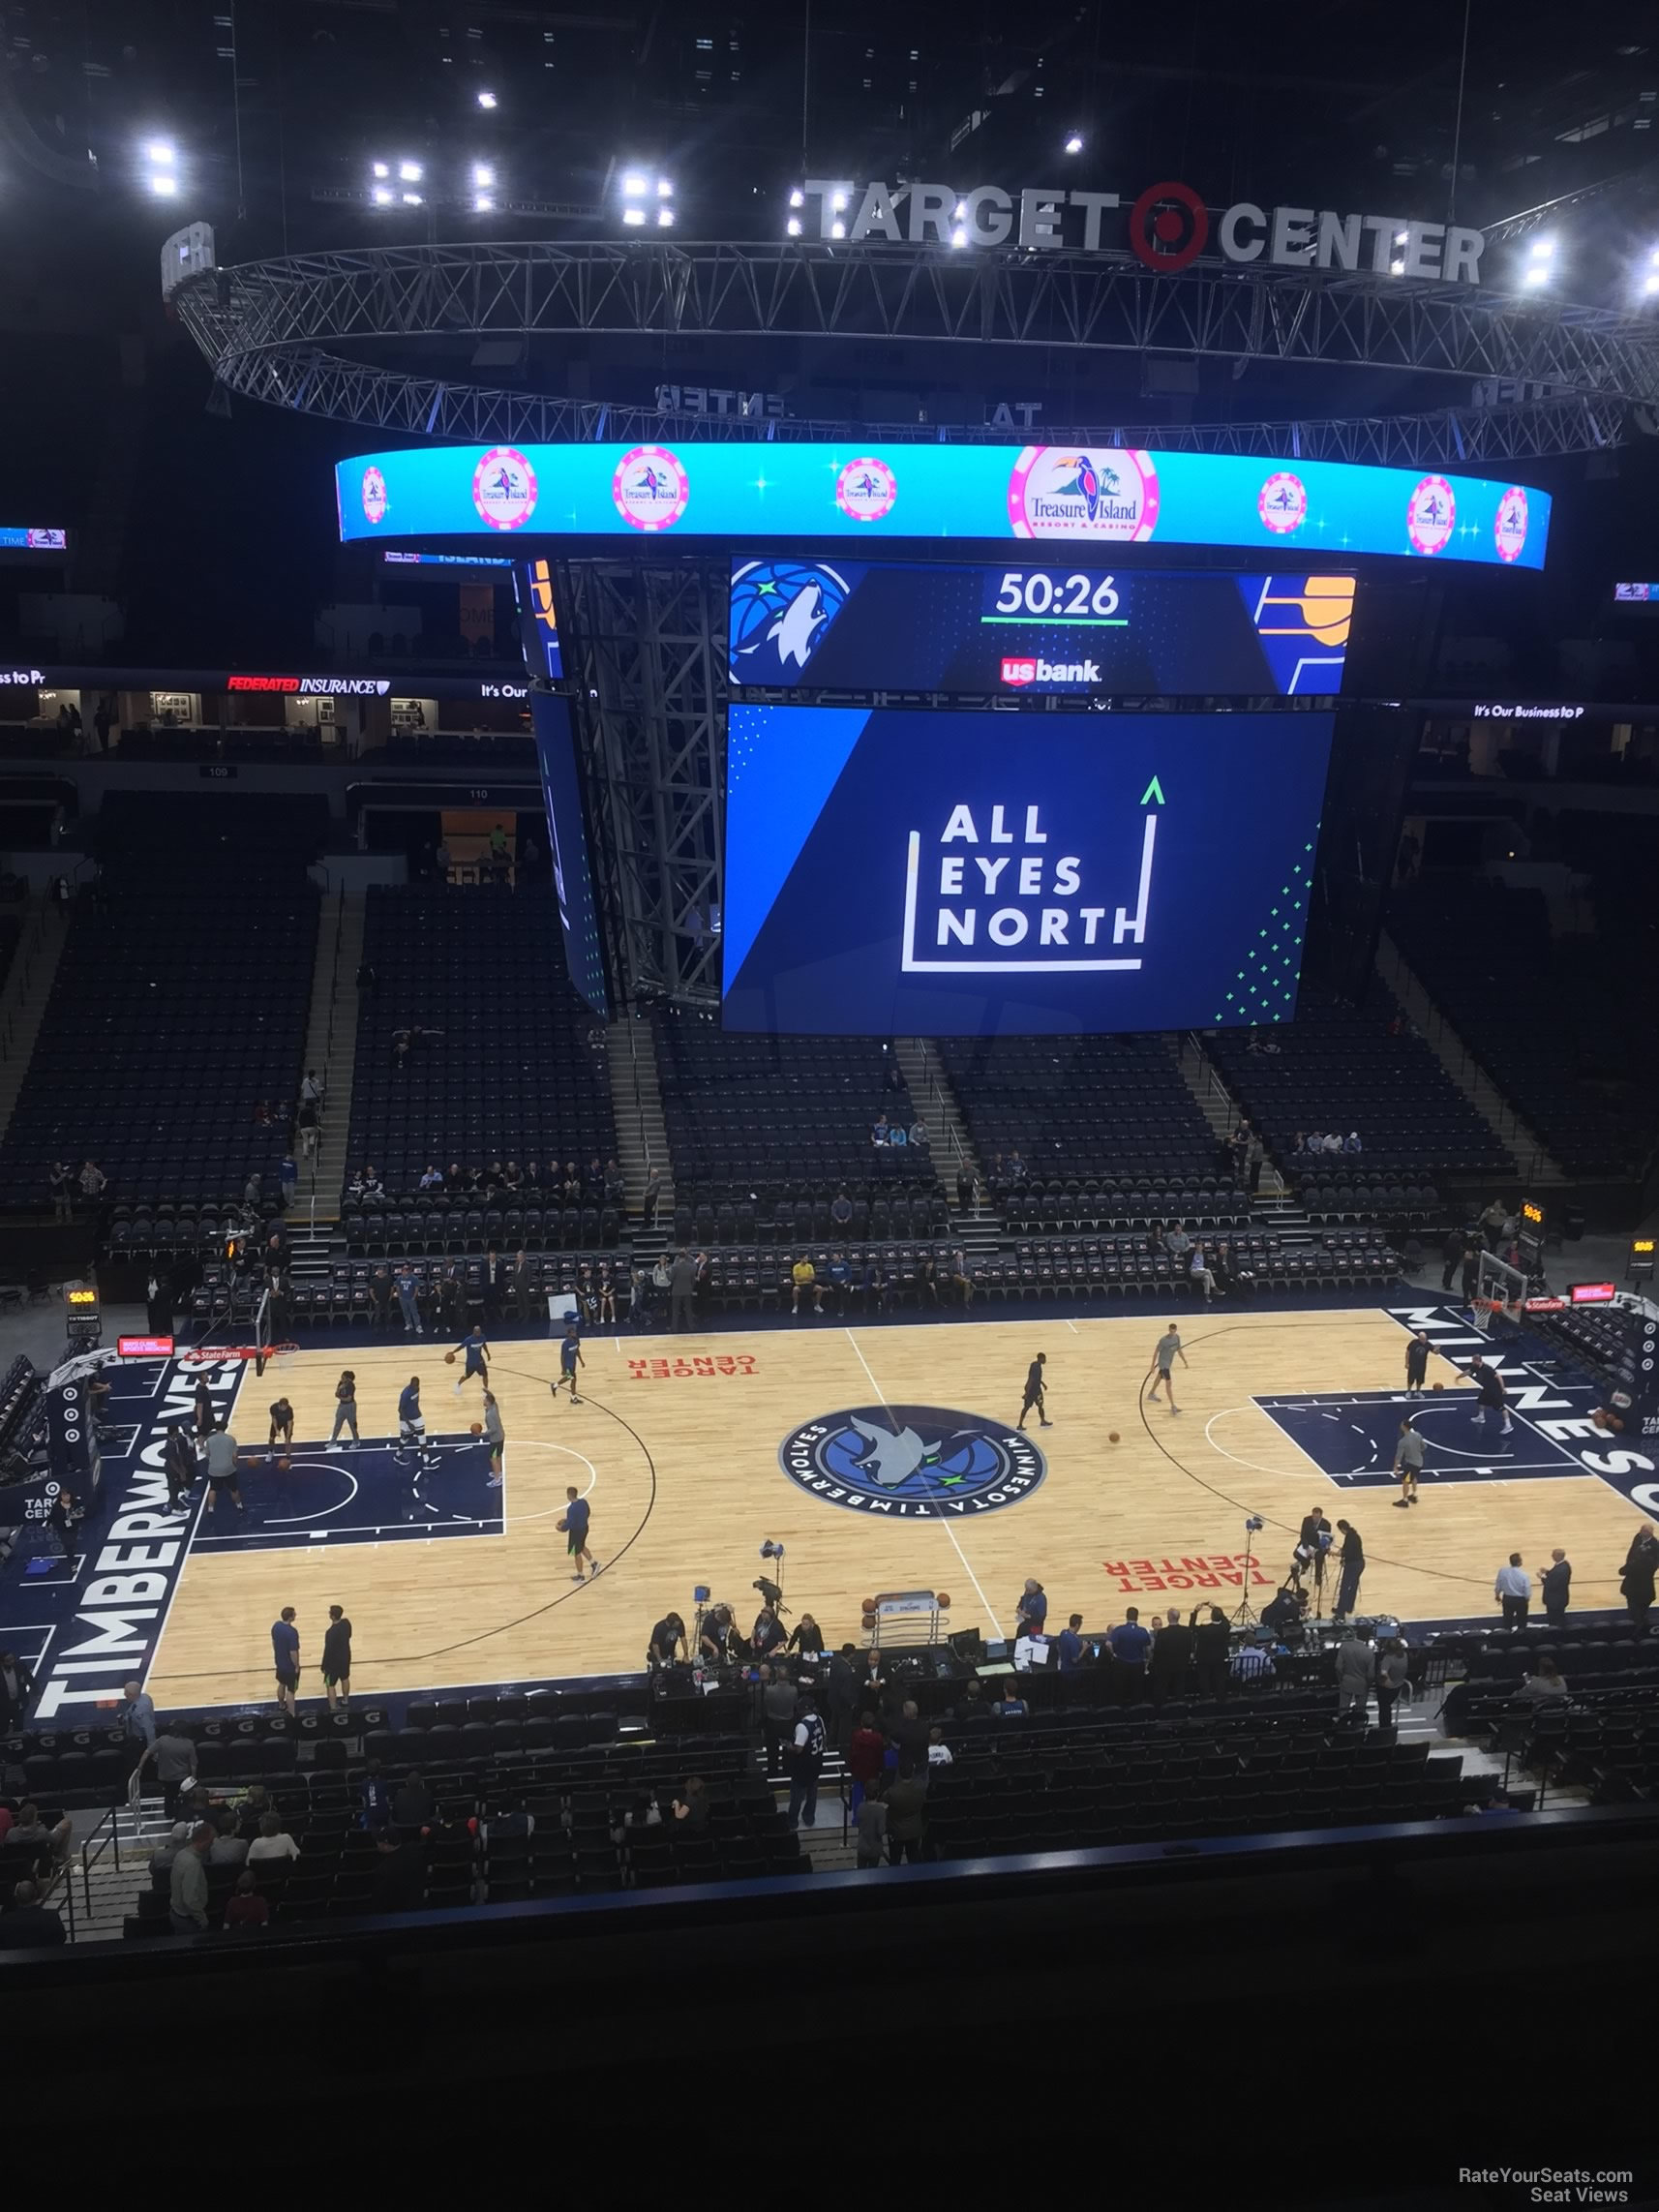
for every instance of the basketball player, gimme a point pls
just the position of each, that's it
(1493, 1398)
(477, 1357)
(1033, 1392)
(569, 1361)
(575, 1525)
(411, 1428)
(496, 1437)
(1163, 1361)
(282, 1428)
(337, 1659)
(1407, 1463)
(1416, 1364)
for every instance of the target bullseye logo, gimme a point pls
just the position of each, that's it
(1169, 227)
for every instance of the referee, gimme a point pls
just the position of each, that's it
(1033, 1392)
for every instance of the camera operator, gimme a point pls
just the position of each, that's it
(1285, 1612)
(767, 1634)
(667, 1642)
(718, 1640)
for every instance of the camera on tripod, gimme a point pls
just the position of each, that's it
(771, 1593)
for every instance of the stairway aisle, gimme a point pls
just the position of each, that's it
(331, 1049)
(1221, 1109)
(23, 1001)
(1460, 1063)
(641, 1134)
(948, 1140)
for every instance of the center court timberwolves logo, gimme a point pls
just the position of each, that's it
(781, 611)
(909, 1463)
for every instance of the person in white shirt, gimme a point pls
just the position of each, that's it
(938, 1751)
(273, 1841)
(1513, 1590)
(1201, 1273)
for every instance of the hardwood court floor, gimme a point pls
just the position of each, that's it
(684, 1478)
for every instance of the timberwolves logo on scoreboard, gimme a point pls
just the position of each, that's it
(651, 488)
(1431, 513)
(781, 611)
(1282, 503)
(865, 490)
(908, 1463)
(374, 494)
(505, 487)
(1067, 492)
(1509, 530)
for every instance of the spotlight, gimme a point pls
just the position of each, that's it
(837, 229)
(411, 172)
(487, 100)
(414, 199)
(793, 227)
(380, 170)
(798, 199)
(1537, 273)
(163, 152)
(665, 187)
(665, 218)
(483, 175)
(1397, 268)
(382, 196)
(634, 185)
(958, 236)
(166, 187)
(482, 203)
(838, 202)
(633, 215)
(1541, 248)
(1074, 144)
(1650, 285)
(959, 214)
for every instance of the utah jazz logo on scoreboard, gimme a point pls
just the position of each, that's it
(912, 1462)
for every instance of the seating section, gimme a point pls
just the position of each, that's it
(180, 1002)
(1562, 1025)
(1107, 1110)
(1280, 1763)
(1200, 1202)
(755, 1119)
(509, 1074)
(1610, 1340)
(1343, 1069)
(880, 1211)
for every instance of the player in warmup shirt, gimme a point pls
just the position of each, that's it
(496, 1437)
(1033, 1392)
(1163, 1360)
(1407, 1463)
(412, 1427)
(284, 1653)
(575, 1525)
(1493, 1398)
(282, 1428)
(1416, 1363)
(477, 1357)
(221, 1462)
(337, 1659)
(569, 1361)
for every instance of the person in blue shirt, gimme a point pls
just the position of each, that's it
(1033, 1609)
(412, 1427)
(477, 1357)
(569, 1361)
(1130, 1644)
(838, 1278)
(1070, 1645)
(406, 1288)
(377, 1799)
(284, 1653)
(575, 1525)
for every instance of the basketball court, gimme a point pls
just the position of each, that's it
(694, 1449)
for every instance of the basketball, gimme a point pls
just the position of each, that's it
(1440, 1387)
(449, 1360)
(869, 1622)
(1112, 1437)
(1599, 1419)
(477, 1428)
(866, 1605)
(942, 1598)
(282, 1466)
(561, 1523)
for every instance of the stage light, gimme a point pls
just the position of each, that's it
(633, 215)
(838, 202)
(665, 218)
(633, 185)
(837, 229)
(482, 203)
(1536, 273)
(382, 196)
(166, 187)
(793, 227)
(483, 175)
(163, 152)
(665, 187)
(1400, 237)
(1397, 268)
(798, 199)
(381, 170)
(414, 199)
(487, 100)
(958, 236)
(410, 172)
(1541, 248)
(1074, 144)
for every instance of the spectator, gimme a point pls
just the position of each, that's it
(406, 1301)
(1255, 1156)
(1544, 1680)
(245, 1908)
(1352, 1145)
(1211, 1640)
(870, 1818)
(16, 1687)
(961, 1278)
(93, 1182)
(841, 1211)
(768, 1633)
(1172, 1656)
(1513, 1590)
(1392, 1669)
(938, 1751)
(777, 1715)
(681, 1292)
(691, 1806)
(967, 1188)
(61, 1183)
(881, 1133)
(1555, 1585)
(229, 1847)
(804, 1276)
(865, 1754)
(376, 1795)
(1199, 1269)
(273, 1841)
(1491, 1220)
(1356, 1668)
(907, 1737)
(1636, 1585)
(400, 1871)
(1251, 1666)
(1070, 1646)
(919, 1133)
(1176, 1242)
(652, 1197)
(29, 1827)
(1130, 1644)
(174, 1757)
(1031, 1609)
(806, 1761)
(906, 1808)
(186, 1883)
(30, 1925)
(168, 1848)
(137, 1714)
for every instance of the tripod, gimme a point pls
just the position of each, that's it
(1244, 1615)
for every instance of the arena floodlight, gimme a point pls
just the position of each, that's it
(410, 172)
(633, 215)
(162, 152)
(163, 185)
(961, 212)
(798, 199)
(793, 227)
(958, 236)
(382, 169)
(487, 100)
(665, 218)
(633, 185)
(665, 187)
(838, 202)
(1075, 144)
(414, 199)
(837, 229)
(484, 175)
(482, 203)
(382, 196)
